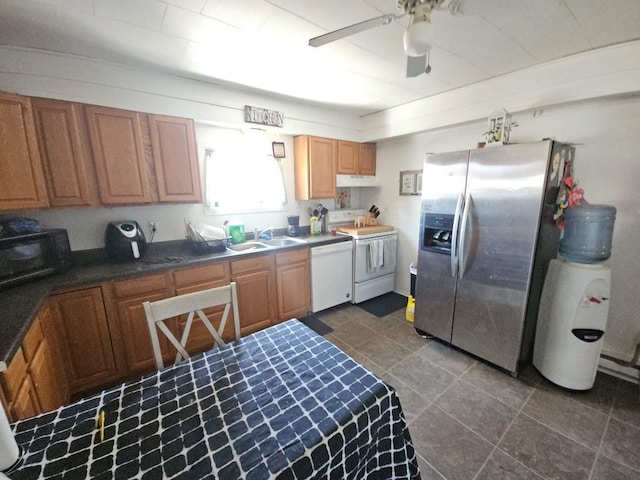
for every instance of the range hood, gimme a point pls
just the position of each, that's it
(356, 181)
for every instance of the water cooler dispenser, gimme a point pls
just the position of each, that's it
(575, 300)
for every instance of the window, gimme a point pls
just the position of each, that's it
(241, 175)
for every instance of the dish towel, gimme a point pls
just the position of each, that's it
(390, 250)
(376, 255)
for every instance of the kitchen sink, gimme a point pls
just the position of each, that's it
(247, 247)
(284, 241)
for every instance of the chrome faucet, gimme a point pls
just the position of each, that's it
(269, 230)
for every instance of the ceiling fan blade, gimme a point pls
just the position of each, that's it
(350, 30)
(416, 66)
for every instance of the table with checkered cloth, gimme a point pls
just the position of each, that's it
(281, 403)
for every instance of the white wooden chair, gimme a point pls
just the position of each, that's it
(191, 303)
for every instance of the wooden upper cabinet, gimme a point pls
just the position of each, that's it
(315, 164)
(63, 141)
(175, 159)
(22, 182)
(117, 143)
(348, 157)
(367, 159)
(356, 158)
(56, 153)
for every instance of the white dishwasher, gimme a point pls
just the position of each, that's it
(331, 275)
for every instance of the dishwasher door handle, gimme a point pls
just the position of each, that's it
(330, 249)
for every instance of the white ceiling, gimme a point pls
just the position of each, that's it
(262, 44)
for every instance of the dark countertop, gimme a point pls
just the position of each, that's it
(20, 304)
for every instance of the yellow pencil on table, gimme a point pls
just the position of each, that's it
(101, 425)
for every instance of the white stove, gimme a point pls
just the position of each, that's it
(374, 254)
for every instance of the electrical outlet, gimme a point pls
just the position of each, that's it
(153, 225)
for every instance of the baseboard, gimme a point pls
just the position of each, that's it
(629, 374)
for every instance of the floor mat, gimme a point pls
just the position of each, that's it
(315, 324)
(384, 304)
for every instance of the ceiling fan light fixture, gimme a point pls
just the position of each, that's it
(417, 39)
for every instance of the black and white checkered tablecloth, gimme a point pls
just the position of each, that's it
(282, 403)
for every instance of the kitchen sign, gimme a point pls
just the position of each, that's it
(263, 116)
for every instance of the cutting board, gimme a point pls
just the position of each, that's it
(369, 229)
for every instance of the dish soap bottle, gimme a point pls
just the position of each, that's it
(314, 226)
(236, 232)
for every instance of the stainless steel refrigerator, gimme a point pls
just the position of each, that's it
(486, 237)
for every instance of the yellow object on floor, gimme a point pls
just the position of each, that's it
(411, 308)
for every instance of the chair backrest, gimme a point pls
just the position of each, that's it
(191, 304)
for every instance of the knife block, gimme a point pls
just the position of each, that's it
(369, 219)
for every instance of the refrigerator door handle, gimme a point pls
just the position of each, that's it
(454, 236)
(463, 233)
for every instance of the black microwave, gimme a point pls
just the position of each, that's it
(33, 255)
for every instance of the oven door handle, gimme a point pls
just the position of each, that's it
(454, 235)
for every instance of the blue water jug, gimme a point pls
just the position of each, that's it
(588, 231)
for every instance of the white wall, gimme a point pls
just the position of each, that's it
(51, 75)
(607, 166)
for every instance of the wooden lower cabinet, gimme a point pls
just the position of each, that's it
(255, 283)
(26, 402)
(196, 279)
(84, 338)
(18, 396)
(46, 380)
(34, 382)
(47, 372)
(293, 284)
(132, 329)
(90, 338)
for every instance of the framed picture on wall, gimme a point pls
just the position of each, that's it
(411, 182)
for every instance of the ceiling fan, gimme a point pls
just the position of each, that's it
(417, 37)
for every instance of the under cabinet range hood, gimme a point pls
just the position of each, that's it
(356, 181)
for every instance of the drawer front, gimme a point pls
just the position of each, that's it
(196, 275)
(13, 376)
(137, 286)
(32, 340)
(251, 264)
(294, 256)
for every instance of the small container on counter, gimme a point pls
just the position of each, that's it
(236, 232)
(315, 226)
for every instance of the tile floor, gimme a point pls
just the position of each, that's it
(471, 421)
